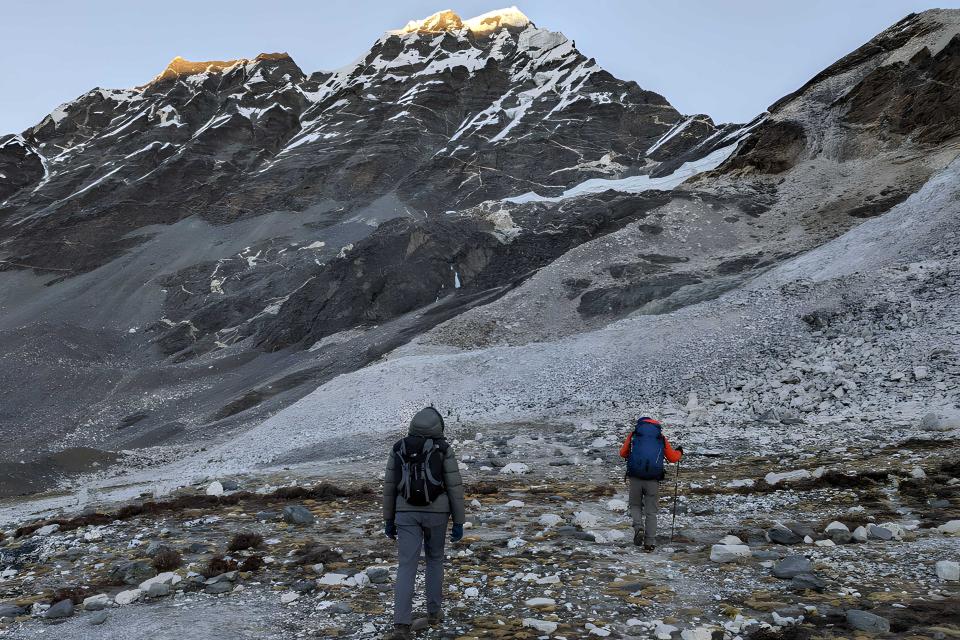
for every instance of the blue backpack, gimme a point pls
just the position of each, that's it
(645, 461)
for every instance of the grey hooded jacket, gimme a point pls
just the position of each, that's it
(427, 423)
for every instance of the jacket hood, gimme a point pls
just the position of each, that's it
(427, 423)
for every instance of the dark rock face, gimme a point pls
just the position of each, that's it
(916, 97)
(774, 148)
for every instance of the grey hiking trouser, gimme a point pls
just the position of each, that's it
(643, 507)
(416, 529)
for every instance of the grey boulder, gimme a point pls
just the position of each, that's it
(792, 566)
(782, 535)
(62, 609)
(297, 514)
(866, 621)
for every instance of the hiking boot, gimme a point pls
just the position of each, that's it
(435, 618)
(638, 537)
(648, 548)
(400, 632)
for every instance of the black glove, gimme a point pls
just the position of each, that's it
(456, 534)
(680, 449)
(390, 529)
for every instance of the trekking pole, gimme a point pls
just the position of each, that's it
(676, 490)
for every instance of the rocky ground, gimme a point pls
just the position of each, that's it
(824, 530)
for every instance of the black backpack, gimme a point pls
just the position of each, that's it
(420, 461)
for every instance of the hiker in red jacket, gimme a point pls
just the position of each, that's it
(645, 450)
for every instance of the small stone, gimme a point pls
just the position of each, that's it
(514, 468)
(128, 597)
(514, 504)
(792, 566)
(289, 596)
(158, 590)
(860, 534)
(782, 535)
(98, 618)
(297, 514)
(836, 526)
(549, 520)
(537, 603)
(804, 581)
(340, 607)
(471, 592)
(46, 530)
(217, 588)
(215, 489)
(866, 621)
(825, 543)
(62, 609)
(304, 586)
(948, 570)
(543, 626)
(97, 602)
(9, 610)
(378, 575)
(729, 552)
(728, 540)
(951, 528)
(879, 533)
(788, 476)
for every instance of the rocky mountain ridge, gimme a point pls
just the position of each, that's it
(185, 259)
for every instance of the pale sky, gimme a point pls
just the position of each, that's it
(727, 58)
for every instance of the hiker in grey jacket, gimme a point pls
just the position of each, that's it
(419, 521)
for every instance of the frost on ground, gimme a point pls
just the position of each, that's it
(548, 549)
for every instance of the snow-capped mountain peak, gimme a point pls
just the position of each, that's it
(481, 25)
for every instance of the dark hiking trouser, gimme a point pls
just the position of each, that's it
(417, 529)
(643, 507)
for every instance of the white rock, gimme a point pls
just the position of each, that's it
(215, 488)
(918, 473)
(664, 631)
(787, 476)
(825, 543)
(332, 579)
(921, 373)
(585, 519)
(617, 505)
(288, 597)
(948, 570)
(729, 552)
(594, 630)
(128, 597)
(543, 626)
(471, 592)
(515, 468)
(168, 577)
(97, 602)
(516, 543)
(736, 484)
(361, 579)
(549, 520)
(807, 540)
(540, 602)
(700, 633)
(951, 528)
(836, 526)
(896, 529)
(554, 579)
(46, 530)
(728, 540)
(860, 534)
(606, 537)
(514, 504)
